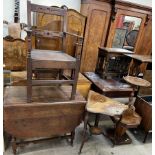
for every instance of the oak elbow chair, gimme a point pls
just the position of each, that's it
(48, 59)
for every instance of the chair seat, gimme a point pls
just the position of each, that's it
(37, 54)
(51, 59)
(132, 120)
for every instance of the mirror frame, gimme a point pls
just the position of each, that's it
(126, 13)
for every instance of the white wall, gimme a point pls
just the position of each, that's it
(8, 10)
(8, 6)
(73, 4)
(136, 21)
(142, 2)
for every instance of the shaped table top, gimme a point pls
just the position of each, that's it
(137, 81)
(98, 103)
(142, 58)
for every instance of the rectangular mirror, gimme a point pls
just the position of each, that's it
(126, 32)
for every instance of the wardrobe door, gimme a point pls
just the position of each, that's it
(132, 30)
(146, 38)
(126, 30)
(98, 16)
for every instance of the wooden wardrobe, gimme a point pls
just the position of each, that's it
(100, 29)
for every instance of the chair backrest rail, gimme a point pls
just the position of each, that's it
(48, 10)
(48, 34)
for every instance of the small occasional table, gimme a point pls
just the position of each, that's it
(138, 60)
(112, 62)
(51, 114)
(100, 104)
(136, 82)
(109, 87)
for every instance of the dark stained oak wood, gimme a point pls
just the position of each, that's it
(128, 119)
(15, 50)
(50, 114)
(41, 59)
(109, 87)
(139, 63)
(54, 56)
(112, 62)
(52, 59)
(142, 58)
(144, 109)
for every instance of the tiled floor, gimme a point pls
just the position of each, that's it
(96, 145)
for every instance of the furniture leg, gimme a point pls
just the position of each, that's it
(84, 132)
(29, 80)
(72, 137)
(97, 119)
(118, 133)
(75, 80)
(14, 145)
(60, 74)
(146, 134)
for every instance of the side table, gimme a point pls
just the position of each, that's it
(100, 104)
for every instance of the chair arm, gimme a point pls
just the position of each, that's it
(73, 34)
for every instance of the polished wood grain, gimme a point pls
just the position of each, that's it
(137, 81)
(95, 34)
(104, 29)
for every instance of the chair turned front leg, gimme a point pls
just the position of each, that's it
(85, 131)
(75, 78)
(29, 93)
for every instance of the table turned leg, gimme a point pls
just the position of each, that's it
(72, 137)
(85, 131)
(97, 119)
(146, 134)
(118, 133)
(14, 145)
